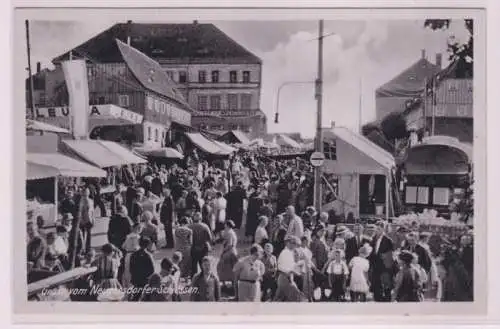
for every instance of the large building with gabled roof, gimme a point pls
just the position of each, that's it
(134, 83)
(217, 77)
(395, 95)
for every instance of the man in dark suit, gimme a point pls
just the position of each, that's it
(382, 264)
(357, 241)
(167, 218)
(424, 258)
(141, 266)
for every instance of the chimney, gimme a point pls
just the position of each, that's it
(129, 28)
(439, 60)
(38, 67)
(423, 53)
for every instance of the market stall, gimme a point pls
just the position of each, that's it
(362, 173)
(44, 171)
(435, 172)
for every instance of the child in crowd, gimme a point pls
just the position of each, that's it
(176, 275)
(269, 277)
(360, 267)
(337, 276)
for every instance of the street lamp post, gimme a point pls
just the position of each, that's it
(288, 83)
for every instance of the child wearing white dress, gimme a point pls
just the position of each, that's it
(360, 266)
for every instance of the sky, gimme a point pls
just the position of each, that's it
(358, 57)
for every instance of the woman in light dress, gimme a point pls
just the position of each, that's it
(360, 266)
(261, 236)
(304, 259)
(220, 205)
(130, 246)
(183, 237)
(229, 256)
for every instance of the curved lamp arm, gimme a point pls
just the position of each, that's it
(288, 83)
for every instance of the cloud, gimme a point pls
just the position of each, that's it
(355, 64)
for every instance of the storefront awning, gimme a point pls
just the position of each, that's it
(102, 153)
(45, 165)
(45, 127)
(225, 147)
(206, 145)
(164, 152)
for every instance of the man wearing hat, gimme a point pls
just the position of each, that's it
(354, 243)
(382, 264)
(287, 290)
(136, 207)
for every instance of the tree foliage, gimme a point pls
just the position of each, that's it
(394, 126)
(462, 53)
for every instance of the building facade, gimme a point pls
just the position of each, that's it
(409, 84)
(138, 85)
(219, 79)
(448, 112)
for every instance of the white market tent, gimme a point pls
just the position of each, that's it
(284, 140)
(356, 155)
(44, 127)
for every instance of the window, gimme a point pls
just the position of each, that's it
(417, 195)
(439, 110)
(215, 102)
(234, 127)
(202, 76)
(233, 76)
(246, 101)
(245, 128)
(246, 76)
(441, 196)
(215, 76)
(150, 103)
(202, 102)
(330, 150)
(123, 100)
(232, 101)
(149, 133)
(101, 100)
(182, 77)
(157, 105)
(43, 98)
(170, 74)
(462, 110)
(156, 135)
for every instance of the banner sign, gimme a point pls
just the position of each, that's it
(95, 111)
(75, 73)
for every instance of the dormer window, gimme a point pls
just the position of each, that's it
(412, 77)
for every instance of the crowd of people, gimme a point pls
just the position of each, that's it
(275, 246)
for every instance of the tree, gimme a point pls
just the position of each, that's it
(394, 126)
(463, 54)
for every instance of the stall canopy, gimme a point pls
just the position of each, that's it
(235, 137)
(438, 155)
(45, 127)
(206, 145)
(357, 154)
(45, 165)
(225, 147)
(102, 153)
(284, 140)
(164, 152)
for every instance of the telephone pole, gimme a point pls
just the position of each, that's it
(30, 93)
(319, 116)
